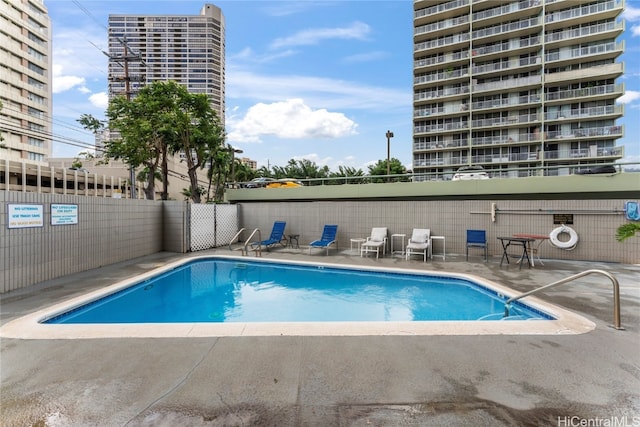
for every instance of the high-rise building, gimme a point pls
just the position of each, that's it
(188, 49)
(25, 81)
(515, 85)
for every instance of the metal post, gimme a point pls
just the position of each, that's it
(389, 135)
(233, 164)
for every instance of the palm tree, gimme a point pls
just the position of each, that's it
(627, 230)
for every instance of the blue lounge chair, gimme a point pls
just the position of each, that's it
(277, 236)
(328, 238)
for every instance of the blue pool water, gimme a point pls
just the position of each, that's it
(224, 290)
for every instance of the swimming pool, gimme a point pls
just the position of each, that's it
(403, 309)
(220, 290)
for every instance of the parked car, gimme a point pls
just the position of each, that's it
(285, 183)
(259, 182)
(470, 172)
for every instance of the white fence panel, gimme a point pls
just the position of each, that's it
(212, 225)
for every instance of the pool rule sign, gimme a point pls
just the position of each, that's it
(24, 216)
(563, 219)
(64, 214)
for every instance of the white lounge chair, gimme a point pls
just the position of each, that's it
(375, 242)
(419, 243)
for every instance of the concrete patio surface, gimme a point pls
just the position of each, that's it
(484, 380)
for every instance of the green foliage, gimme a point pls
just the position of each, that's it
(90, 123)
(351, 175)
(164, 118)
(76, 164)
(627, 230)
(300, 169)
(380, 168)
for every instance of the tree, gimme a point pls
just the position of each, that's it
(351, 175)
(165, 118)
(380, 168)
(301, 169)
(141, 141)
(193, 128)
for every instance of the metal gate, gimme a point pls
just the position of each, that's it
(212, 226)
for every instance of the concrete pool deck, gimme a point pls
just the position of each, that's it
(497, 380)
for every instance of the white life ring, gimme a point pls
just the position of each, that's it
(569, 244)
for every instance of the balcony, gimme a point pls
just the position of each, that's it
(437, 111)
(604, 112)
(499, 31)
(441, 127)
(442, 27)
(496, 49)
(598, 72)
(584, 34)
(441, 75)
(442, 42)
(598, 52)
(516, 64)
(501, 103)
(586, 153)
(603, 91)
(429, 14)
(446, 92)
(508, 11)
(591, 132)
(505, 140)
(438, 60)
(507, 84)
(505, 121)
(583, 14)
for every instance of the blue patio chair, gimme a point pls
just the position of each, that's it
(328, 238)
(477, 239)
(277, 236)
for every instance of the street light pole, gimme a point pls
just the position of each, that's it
(389, 135)
(233, 163)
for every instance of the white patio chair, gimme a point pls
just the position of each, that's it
(419, 243)
(375, 242)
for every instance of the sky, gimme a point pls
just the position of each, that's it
(316, 80)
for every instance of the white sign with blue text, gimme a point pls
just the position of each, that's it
(24, 216)
(64, 214)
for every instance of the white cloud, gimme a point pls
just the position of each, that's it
(635, 30)
(100, 100)
(290, 119)
(629, 96)
(63, 83)
(631, 13)
(357, 31)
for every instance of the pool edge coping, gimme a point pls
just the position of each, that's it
(30, 327)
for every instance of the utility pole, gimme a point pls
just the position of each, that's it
(129, 55)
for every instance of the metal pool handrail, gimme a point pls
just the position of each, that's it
(258, 249)
(616, 293)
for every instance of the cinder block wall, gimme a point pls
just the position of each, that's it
(108, 231)
(595, 221)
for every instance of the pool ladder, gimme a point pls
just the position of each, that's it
(616, 293)
(248, 246)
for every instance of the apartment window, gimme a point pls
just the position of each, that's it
(35, 83)
(36, 156)
(36, 113)
(33, 67)
(35, 142)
